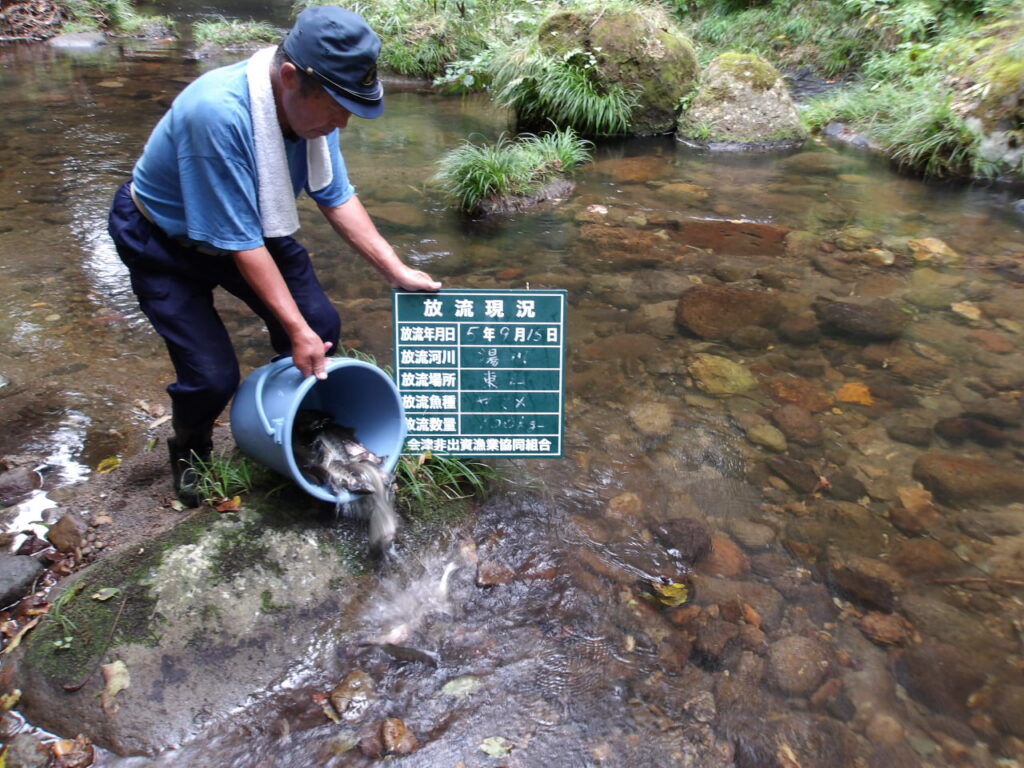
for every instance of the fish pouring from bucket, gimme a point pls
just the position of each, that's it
(330, 455)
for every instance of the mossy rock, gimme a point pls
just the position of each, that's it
(217, 608)
(641, 52)
(742, 104)
(990, 91)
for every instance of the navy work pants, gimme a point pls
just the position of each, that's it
(174, 283)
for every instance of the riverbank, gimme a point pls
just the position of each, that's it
(934, 88)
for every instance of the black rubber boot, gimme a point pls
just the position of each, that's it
(187, 448)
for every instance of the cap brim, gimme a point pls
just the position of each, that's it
(364, 109)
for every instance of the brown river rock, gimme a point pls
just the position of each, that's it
(397, 738)
(737, 238)
(956, 479)
(716, 312)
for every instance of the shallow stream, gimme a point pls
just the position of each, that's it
(841, 618)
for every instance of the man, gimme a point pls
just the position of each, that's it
(212, 202)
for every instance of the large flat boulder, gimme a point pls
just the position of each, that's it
(217, 609)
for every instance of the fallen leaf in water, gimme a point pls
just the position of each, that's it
(967, 309)
(108, 465)
(461, 686)
(787, 757)
(157, 422)
(855, 392)
(106, 593)
(324, 701)
(10, 700)
(151, 444)
(497, 746)
(670, 593)
(16, 640)
(177, 506)
(230, 505)
(33, 605)
(72, 754)
(115, 680)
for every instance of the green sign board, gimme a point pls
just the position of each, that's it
(482, 372)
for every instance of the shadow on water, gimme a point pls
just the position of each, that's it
(862, 622)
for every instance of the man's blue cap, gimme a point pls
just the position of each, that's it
(339, 50)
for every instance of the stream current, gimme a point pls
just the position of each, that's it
(840, 618)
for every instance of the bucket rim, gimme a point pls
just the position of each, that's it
(334, 364)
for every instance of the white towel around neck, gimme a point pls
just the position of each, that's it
(278, 212)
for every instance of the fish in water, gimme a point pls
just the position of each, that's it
(330, 455)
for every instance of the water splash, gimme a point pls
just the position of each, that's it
(377, 507)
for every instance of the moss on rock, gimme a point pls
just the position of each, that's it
(745, 68)
(990, 91)
(204, 615)
(95, 626)
(641, 52)
(742, 103)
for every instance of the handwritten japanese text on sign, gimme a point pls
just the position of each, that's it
(482, 373)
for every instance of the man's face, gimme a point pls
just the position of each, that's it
(308, 116)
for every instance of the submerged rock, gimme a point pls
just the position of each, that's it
(799, 664)
(721, 376)
(957, 479)
(940, 676)
(879, 320)
(717, 312)
(743, 104)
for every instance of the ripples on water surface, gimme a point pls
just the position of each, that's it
(839, 618)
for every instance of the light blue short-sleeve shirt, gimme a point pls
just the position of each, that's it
(197, 174)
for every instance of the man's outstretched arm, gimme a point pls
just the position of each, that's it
(353, 223)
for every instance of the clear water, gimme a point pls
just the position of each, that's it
(573, 665)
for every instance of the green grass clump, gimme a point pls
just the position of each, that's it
(567, 90)
(117, 16)
(905, 104)
(229, 32)
(226, 475)
(471, 175)
(429, 481)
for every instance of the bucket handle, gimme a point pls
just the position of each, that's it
(275, 368)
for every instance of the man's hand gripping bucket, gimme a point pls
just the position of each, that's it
(356, 394)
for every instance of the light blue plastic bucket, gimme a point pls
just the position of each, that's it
(356, 394)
